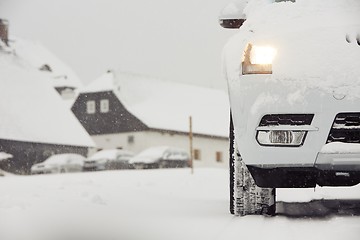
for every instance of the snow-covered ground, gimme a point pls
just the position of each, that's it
(164, 204)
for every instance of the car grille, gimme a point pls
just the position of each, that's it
(286, 119)
(346, 128)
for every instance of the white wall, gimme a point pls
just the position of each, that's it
(142, 140)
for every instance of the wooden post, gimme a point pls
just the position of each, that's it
(191, 145)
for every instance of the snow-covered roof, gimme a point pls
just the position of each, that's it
(31, 109)
(167, 105)
(39, 57)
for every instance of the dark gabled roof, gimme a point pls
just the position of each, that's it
(117, 120)
(168, 105)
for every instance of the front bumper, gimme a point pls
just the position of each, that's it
(303, 177)
(94, 167)
(330, 169)
(43, 171)
(338, 162)
(253, 97)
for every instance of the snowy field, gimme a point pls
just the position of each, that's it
(164, 204)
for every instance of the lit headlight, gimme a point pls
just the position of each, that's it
(258, 60)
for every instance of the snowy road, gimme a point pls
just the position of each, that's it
(164, 204)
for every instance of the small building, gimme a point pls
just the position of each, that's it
(35, 123)
(123, 110)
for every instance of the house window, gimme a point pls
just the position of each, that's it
(197, 154)
(104, 105)
(219, 156)
(90, 107)
(131, 139)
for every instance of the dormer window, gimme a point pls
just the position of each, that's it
(90, 107)
(104, 105)
(46, 68)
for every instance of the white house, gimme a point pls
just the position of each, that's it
(122, 110)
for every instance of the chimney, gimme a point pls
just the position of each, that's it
(4, 28)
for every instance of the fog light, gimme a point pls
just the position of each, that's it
(281, 138)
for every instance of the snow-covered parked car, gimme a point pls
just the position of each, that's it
(4, 156)
(293, 74)
(108, 159)
(59, 163)
(161, 157)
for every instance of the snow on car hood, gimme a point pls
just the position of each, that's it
(109, 154)
(59, 159)
(4, 156)
(143, 159)
(105, 154)
(317, 42)
(149, 155)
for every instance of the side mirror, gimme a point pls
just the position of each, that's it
(232, 16)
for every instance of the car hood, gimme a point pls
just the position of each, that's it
(317, 43)
(43, 166)
(143, 159)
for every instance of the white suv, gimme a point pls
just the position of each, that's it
(293, 73)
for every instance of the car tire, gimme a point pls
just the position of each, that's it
(245, 197)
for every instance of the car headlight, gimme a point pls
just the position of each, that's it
(258, 59)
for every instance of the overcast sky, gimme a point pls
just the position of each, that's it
(176, 40)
